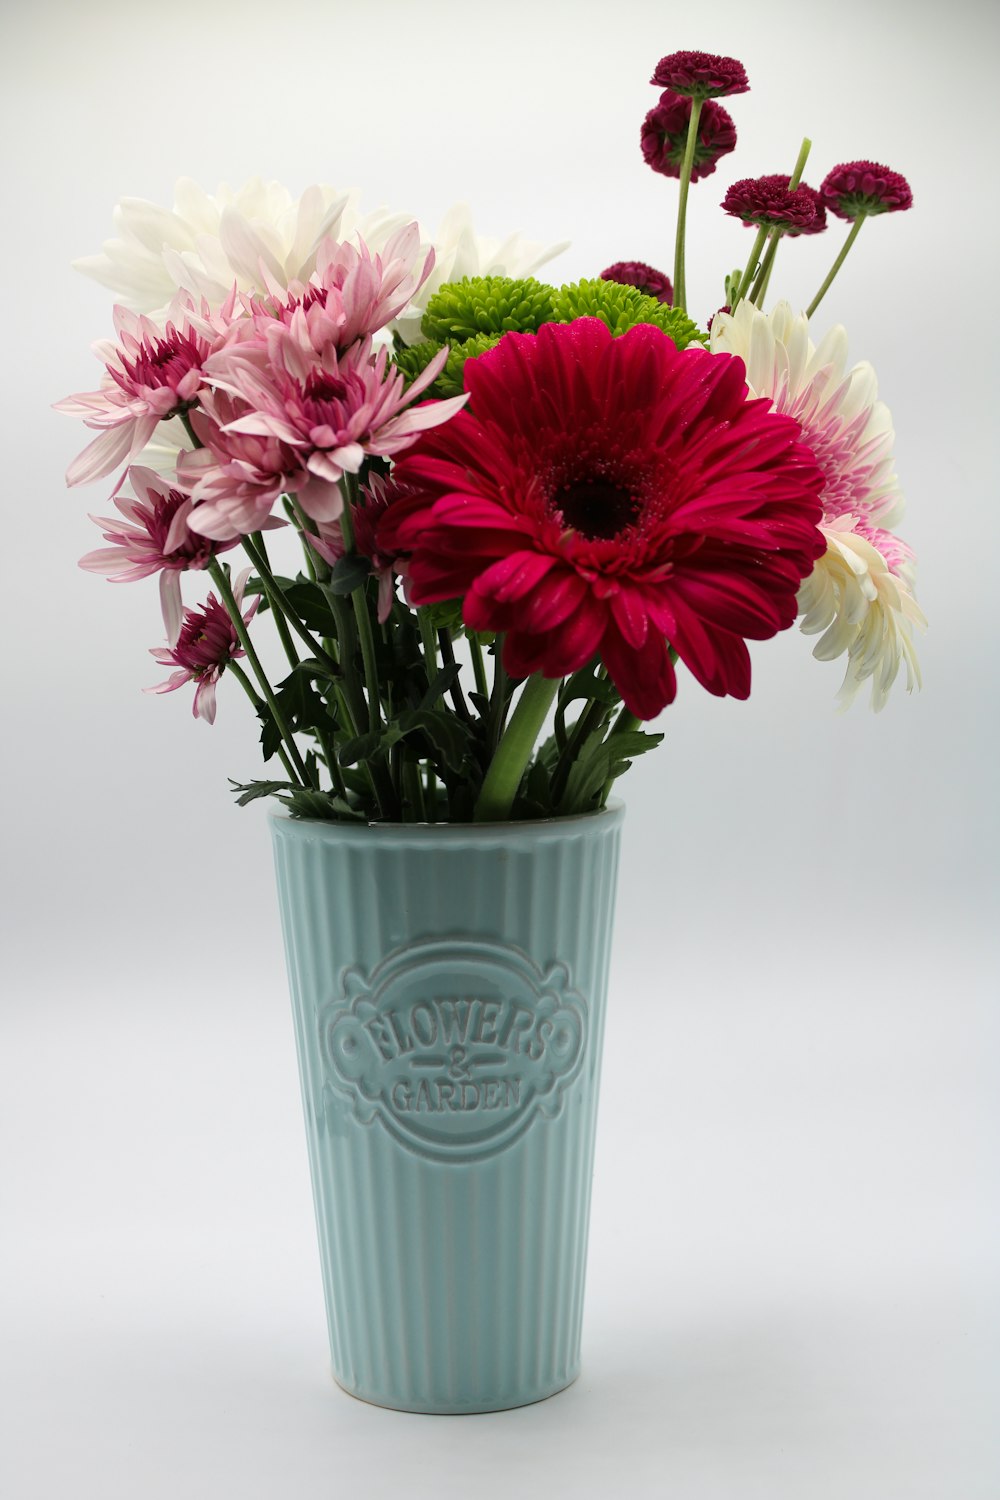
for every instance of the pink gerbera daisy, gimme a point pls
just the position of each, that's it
(613, 496)
(206, 645)
(153, 537)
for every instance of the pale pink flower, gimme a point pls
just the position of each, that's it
(154, 537)
(352, 294)
(289, 417)
(205, 646)
(151, 374)
(859, 597)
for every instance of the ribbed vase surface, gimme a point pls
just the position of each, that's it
(448, 986)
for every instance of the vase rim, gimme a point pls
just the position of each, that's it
(527, 829)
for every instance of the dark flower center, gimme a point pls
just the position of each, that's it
(596, 508)
(322, 386)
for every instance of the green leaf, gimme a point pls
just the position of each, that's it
(348, 574)
(365, 747)
(310, 604)
(440, 685)
(252, 791)
(303, 802)
(302, 706)
(450, 738)
(600, 762)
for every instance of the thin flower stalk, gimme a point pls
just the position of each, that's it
(221, 580)
(680, 283)
(759, 289)
(844, 250)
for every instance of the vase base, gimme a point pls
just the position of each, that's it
(471, 1408)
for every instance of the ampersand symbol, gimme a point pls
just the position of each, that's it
(459, 1067)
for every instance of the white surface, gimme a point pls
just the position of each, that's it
(793, 1289)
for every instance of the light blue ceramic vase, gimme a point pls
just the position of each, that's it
(448, 984)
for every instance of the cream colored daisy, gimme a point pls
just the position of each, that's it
(859, 598)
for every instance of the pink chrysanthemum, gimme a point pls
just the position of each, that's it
(375, 500)
(154, 537)
(664, 136)
(859, 598)
(151, 374)
(352, 294)
(702, 75)
(647, 278)
(291, 417)
(763, 201)
(781, 180)
(613, 496)
(865, 187)
(206, 645)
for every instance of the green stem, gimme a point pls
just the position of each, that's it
(457, 696)
(429, 643)
(751, 267)
(756, 293)
(413, 790)
(624, 722)
(257, 553)
(680, 288)
(305, 527)
(855, 231)
(257, 702)
(283, 609)
(591, 719)
(478, 665)
(221, 580)
(498, 697)
(765, 278)
(514, 751)
(362, 617)
(381, 777)
(767, 265)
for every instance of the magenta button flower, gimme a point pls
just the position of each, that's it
(664, 136)
(206, 645)
(863, 187)
(781, 180)
(762, 201)
(154, 537)
(647, 278)
(702, 75)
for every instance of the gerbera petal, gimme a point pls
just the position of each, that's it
(644, 676)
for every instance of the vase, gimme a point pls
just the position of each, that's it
(448, 988)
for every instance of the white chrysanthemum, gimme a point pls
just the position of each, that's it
(860, 594)
(459, 251)
(206, 242)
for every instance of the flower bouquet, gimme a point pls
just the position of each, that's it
(519, 510)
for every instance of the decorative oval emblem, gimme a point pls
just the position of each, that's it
(455, 1046)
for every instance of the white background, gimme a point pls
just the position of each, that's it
(792, 1286)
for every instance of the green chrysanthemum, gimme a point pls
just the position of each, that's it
(621, 308)
(451, 381)
(460, 310)
(414, 359)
